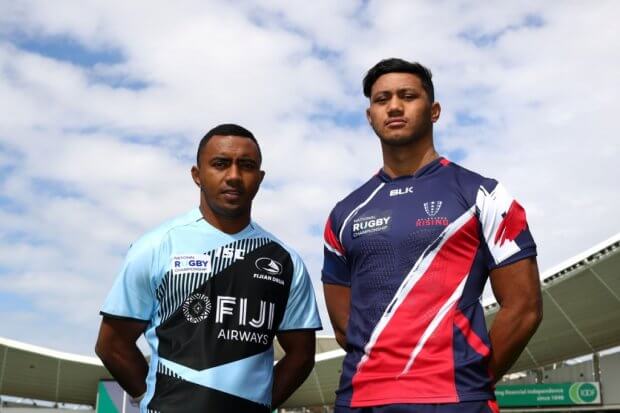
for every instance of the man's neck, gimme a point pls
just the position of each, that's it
(229, 225)
(406, 160)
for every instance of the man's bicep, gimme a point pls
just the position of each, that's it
(517, 284)
(114, 331)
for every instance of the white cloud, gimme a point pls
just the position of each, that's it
(544, 86)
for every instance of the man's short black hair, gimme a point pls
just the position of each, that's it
(227, 129)
(395, 65)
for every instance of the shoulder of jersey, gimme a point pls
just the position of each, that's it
(155, 236)
(470, 180)
(356, 197)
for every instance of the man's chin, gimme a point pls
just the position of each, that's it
(228, 210)
(397, 139)
(232, 211)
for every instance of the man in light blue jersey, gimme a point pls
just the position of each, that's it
(209, 290)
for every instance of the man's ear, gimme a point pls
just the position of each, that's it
(435, 111)
(195, 175)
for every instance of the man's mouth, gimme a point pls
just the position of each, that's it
(231, 194)
(395, 123)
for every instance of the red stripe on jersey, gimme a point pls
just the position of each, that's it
(493, 406)
(513, 223)
(444, 161)
(331, 239)
(379, 378)
(474, 341)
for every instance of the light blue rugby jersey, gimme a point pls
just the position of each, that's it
(214, 302)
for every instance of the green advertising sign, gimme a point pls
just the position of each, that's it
(548, 394)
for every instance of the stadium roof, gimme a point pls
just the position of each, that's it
(581, 299)
(39, 373)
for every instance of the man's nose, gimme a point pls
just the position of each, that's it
(395, 106)
(233, 173)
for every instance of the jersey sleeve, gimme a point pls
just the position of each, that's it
(301, 310)
(335, 267)
(131, 296)
(504, 225)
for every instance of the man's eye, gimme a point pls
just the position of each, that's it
(248, 165)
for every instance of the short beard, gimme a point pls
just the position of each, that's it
(228, 213)
(403, 140)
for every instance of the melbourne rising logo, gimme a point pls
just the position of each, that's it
(432, 208)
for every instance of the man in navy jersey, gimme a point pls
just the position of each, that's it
(407, 256)
(209, 290)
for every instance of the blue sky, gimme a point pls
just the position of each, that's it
(101, 117)
(65, 49)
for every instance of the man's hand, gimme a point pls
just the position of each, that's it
(116, 347)
(338, 301)
(291, 371)
(517, 290)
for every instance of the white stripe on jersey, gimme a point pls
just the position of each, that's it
(430, 329)
(357, 208)
(331, 249)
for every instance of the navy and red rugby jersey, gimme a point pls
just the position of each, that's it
(416, 252)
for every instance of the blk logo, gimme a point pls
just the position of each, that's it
(401, 191)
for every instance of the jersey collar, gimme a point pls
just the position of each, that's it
(427, 169)
(197, 216)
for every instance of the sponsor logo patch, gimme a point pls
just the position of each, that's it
(432, 209)
(196, 308)
(370, 224)
(252, 326)
(268, 270)
(271, 267)
(401, 191)
(183, 264)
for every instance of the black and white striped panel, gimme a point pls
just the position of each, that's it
(175, 288)
(161, 369)
(246, 245)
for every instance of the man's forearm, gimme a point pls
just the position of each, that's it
(341, 337)
(288, 374)
(509, 334)
(128, 366)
